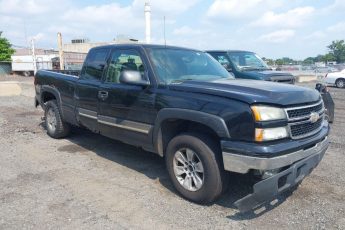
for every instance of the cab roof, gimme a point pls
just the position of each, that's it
(229, 51)
(142, 45)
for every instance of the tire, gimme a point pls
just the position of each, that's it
(26, 73)
(340, 83)
(207, 152)
(56, 128)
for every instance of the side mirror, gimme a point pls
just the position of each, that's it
(132, 77)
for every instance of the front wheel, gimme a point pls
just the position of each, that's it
(340, 83)
(56, 127)
(195, 167)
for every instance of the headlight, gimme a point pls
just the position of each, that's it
(270, 134)
(267, 113)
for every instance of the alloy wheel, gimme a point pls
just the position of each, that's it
(188, 169)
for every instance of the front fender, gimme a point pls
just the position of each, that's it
(216, 123)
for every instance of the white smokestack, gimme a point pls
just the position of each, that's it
(148, 22)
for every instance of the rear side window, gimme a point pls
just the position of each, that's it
(94, 64)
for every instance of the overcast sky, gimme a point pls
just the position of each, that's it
(272, 28)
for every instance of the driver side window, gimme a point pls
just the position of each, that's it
(122, 60)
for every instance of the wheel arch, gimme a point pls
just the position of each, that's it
(49, 93)
(171, 122)
(339, 78)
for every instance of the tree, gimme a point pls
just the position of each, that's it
(327, 58)
(268, 61)
(319, 58)
(288, 61)
(279, 62)
(5, 49)
(309, 61)
(337, 49)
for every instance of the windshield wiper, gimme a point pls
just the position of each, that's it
(254, 68)
(181, 80)
(249, 68)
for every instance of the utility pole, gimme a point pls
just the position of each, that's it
(33, 55)
(61, 55)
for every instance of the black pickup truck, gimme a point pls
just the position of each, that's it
(183, 105)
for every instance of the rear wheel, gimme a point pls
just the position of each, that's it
(194, 165)
(340, 83)
(56, 128)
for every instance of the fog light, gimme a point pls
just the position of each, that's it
(269, 173)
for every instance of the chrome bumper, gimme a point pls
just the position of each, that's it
(242, 163)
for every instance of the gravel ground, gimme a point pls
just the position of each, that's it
(91, 182)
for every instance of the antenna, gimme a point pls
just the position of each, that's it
(165, 54)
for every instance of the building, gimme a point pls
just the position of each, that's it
(83, 45)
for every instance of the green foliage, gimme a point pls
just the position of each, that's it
(309, 61)
(328, 57)
(288, 61)
(285, 61)
(5, 49)
(337, 49)
(268, 61)
(279, 62)
(336, 53)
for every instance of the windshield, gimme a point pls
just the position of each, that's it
(247, 61)
(178, 65)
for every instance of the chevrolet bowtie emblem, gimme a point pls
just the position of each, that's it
(314, 117)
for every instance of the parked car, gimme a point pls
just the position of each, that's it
(183, 105)
(336, 78)
(248, 65)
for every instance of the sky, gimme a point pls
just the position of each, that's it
(271, 28)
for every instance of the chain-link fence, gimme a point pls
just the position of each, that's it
(5, 68)
(73, 60)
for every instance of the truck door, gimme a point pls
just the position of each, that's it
(126, 112)
(86, 93)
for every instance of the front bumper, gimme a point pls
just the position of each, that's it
(241, 157)
(292, 165)
(242, 164)
(268, 189)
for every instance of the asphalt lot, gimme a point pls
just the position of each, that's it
(91, 182)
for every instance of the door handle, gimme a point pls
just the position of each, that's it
(103, 95)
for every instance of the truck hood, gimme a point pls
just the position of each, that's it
(269, 75)
(251, 91)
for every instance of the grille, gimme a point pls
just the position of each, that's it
(303, 112)
(288, 81)
(304, 129)
(299, 123)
